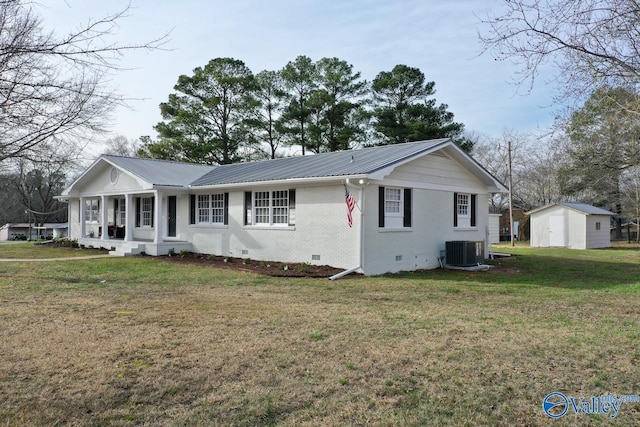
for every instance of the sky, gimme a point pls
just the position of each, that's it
(438, 37)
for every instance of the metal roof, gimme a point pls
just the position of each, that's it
(588, 209)
(160, 172)
(338, 163)
(580, 207)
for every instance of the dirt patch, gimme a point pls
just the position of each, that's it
(267, 268)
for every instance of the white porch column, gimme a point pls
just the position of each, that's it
(104, 209)
(129, 213)
(83, 218)
(158, 218)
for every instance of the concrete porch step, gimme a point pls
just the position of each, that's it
(128, 249)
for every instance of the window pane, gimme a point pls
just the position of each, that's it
(203, 208)
(280, 205)
(261, 203)
(392, 200)
(146, 211)
(217, 208)
(463, 205)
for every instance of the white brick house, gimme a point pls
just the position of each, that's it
(411, 198)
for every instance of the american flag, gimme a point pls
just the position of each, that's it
(351, 203)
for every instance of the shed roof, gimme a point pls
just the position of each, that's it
(580, 207)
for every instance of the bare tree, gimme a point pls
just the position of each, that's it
(593, 42)
(53, 87)
(122, 146)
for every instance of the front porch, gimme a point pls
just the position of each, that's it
(130, 223)
(120, 247)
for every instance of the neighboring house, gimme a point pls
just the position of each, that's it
(570, 225)
(20, 231)
(410, 199)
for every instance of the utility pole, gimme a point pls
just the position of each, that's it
(513, 243)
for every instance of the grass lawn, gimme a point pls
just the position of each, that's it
(130, 341)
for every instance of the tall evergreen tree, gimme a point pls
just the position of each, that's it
(266, 116)
(403, 110)
(206, 120)
(300, 81)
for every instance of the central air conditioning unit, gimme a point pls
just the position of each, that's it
(464, 253)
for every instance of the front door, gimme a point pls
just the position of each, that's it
(556, 231)
(171, 217)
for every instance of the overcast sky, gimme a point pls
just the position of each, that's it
(439, 37)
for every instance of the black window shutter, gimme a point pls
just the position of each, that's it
(473, 209)
(115, 212)
(138, 212)
(247, 207)
(455, 209)
(192, 209)
(292, 206)
(226, 209)
(407, 208)
(381, 206)
(153, 209)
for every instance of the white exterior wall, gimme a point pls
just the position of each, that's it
(598, 238)
(494, 228)
(577, 227)
(434, 179)
(321, 229)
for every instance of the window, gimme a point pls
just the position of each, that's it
(393, 201)
(121, 212)
(92, 210)
(463, 205)
(464, 210)
(203, 208)
(394, 207)
(146, 212)
(209, 209)
(217, 208)
(598, 226)
(270, 207)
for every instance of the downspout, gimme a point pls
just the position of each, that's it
(361, 256)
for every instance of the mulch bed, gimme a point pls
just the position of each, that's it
(267, 268)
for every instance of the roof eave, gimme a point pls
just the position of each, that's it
(288, 181)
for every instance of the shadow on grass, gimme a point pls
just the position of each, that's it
(546, 271)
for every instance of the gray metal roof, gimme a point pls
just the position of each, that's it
(580, 207)
(339, 163)
(588, 209)
(160, 172)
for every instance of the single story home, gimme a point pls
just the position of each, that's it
(570, 225)
(373, 210)
(20, 231)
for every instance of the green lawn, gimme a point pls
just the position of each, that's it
(129, 341)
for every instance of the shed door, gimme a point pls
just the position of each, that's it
(556, 231)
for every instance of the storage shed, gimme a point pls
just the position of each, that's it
(570, 225)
